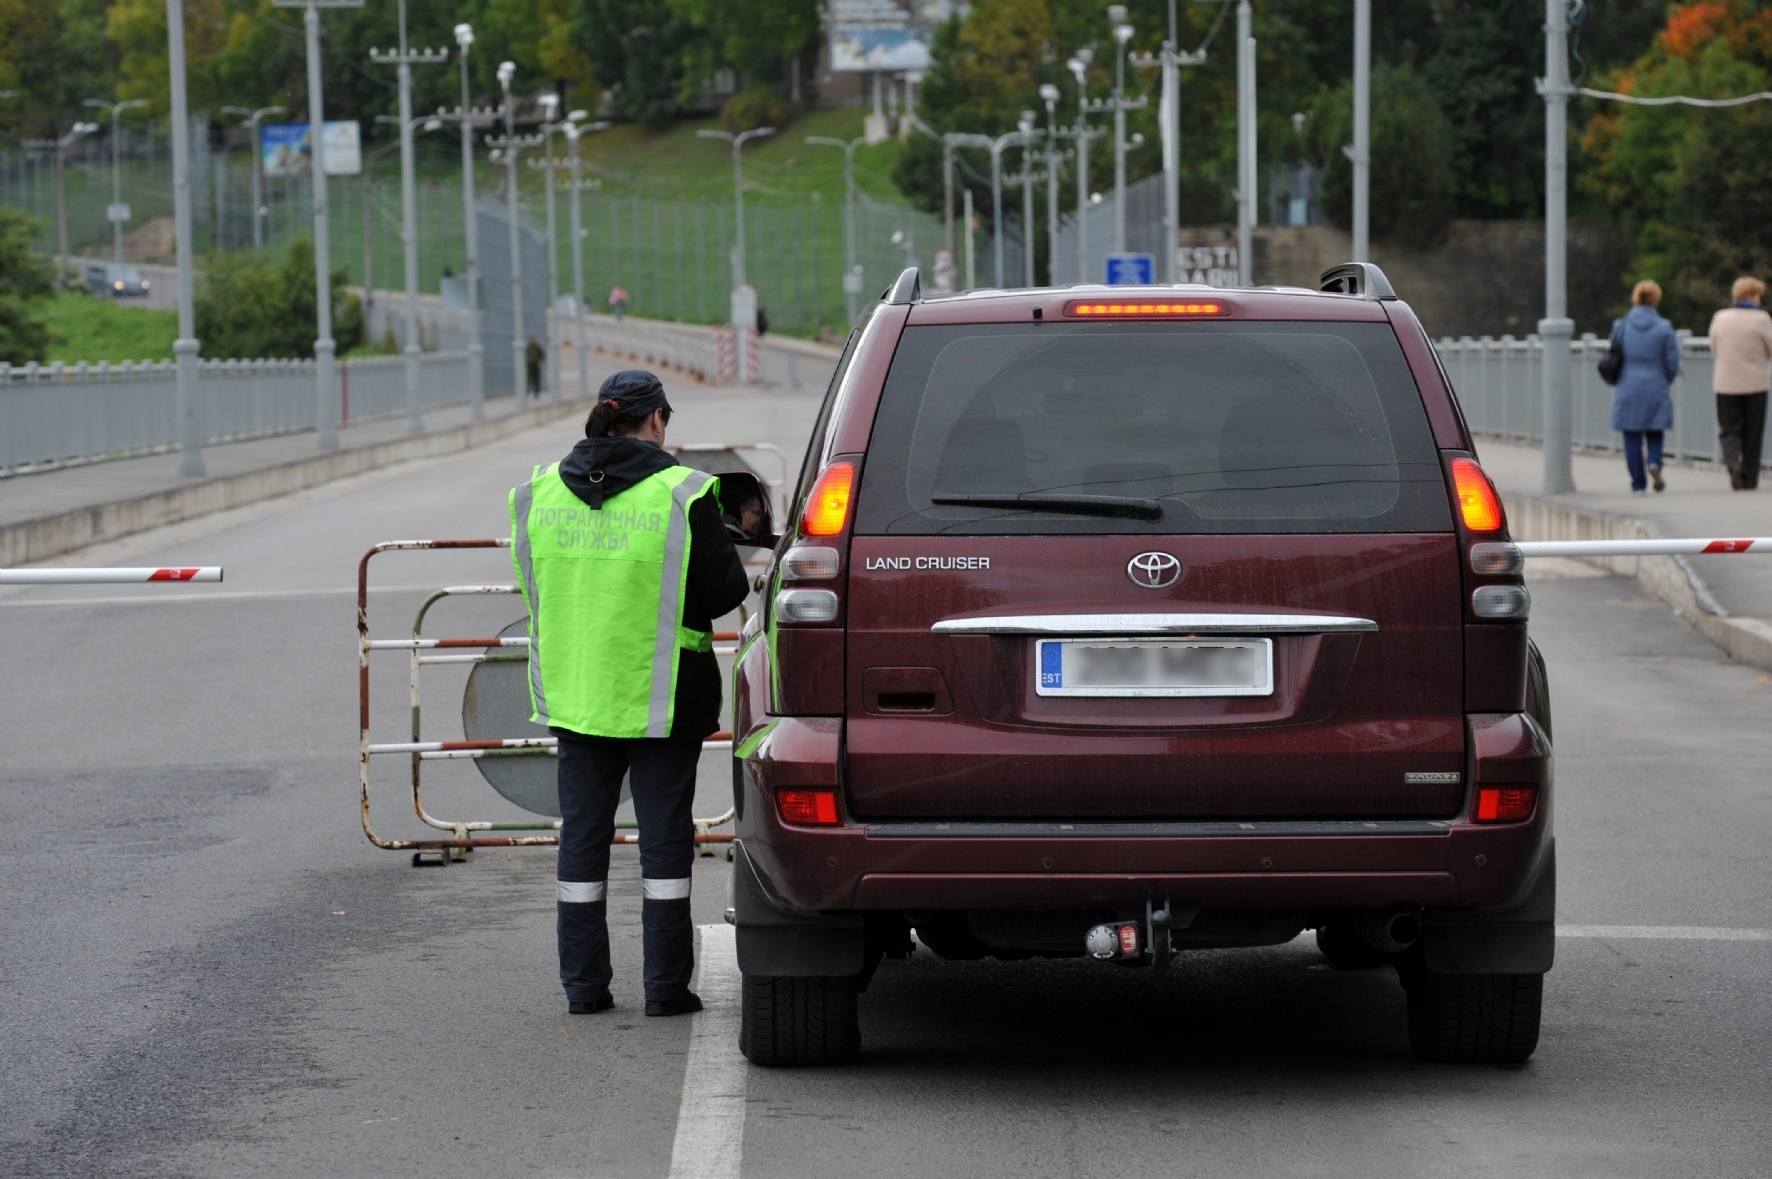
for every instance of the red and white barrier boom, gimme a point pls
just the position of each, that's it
(1678, 547)
(178, 573)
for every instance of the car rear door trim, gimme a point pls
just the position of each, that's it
(1149, 624)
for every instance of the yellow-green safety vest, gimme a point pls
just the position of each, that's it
(605, 591)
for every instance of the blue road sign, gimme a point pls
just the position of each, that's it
(1131, 270)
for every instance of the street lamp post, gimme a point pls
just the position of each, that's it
(1079, 68)
(60, 147)
(1246, 163)
(1122, 34)
(851, 289)
(405, 60)
(1556, 328)
(466, 114)
(1028, 178)
(326, 403)
(574, 132)
(254, 117)
(550, 102)
(1361, 156)
(190, 433)
(1049, 94)
(512, 145)
(738, 141)
(1170, 59)
(116, 214)
(997, 146)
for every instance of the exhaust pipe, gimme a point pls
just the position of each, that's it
(1390, 931)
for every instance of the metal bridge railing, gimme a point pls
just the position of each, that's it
(61, 413)
(1500, 386)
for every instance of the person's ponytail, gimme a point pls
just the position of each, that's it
(601, 421)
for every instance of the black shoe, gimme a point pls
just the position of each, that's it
(1734, 478)
(681, 1005)
(1655, 478)
(601, 1002)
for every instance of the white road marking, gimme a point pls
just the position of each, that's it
(1696, 933)
(710, 1119)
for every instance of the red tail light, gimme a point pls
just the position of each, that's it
(827, 508)
(1478, 504)
(810, 808)
(1506, 804)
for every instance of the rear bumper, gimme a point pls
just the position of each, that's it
(1438, 865)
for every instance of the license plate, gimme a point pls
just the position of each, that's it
(1155, 667)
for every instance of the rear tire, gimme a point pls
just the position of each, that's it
(1474, 1018)
(796, 1022)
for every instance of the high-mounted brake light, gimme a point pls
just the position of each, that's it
(1142, 308)
(1506, 804)
(827, 508)
(812, 808)
(1477, 502)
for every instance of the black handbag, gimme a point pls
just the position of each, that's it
(1612, 364)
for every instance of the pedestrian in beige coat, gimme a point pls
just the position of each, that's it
(1741, 341)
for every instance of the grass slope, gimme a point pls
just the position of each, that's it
(90, 328)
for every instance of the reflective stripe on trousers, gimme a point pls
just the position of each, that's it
(573, 892)
(665, 890)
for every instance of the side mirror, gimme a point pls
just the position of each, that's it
(744, 506)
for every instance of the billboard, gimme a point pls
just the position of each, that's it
(888, 35)
(286, 151)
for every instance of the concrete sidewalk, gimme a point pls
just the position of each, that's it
(1727, 598)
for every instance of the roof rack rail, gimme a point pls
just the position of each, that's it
(1356, 278)
(904, 289)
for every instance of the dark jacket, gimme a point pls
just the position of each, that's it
(717, 582)
(1651, 361)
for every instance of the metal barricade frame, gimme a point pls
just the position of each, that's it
(461, 840)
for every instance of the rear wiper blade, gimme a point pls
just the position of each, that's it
(1087, 505)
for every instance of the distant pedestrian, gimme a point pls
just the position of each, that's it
(618, 299)
(1642, 408)
(1741, 341)
(762, 320)
(534, 356)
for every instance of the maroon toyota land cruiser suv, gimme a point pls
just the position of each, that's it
(1118, 622)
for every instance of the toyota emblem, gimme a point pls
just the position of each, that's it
(1153, 570)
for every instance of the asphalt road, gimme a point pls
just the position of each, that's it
(206, 970)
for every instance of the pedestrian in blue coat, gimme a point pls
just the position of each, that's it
(1641, 405)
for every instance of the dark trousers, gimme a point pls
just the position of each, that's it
(1741, 424)
(662, 778)
(1633, 455)
(533, 373)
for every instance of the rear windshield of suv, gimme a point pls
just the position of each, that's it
(1231, 427)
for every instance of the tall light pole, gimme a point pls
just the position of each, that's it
(1049, 94)
(512, 146)
(997, 146)
(1246, 163)
(574, 131)
(550, 102)
(850, 289)
(254, 117)
(118, 213)
(1028, 179)
(60, 148)
(738, 141)
(1556, 328)
(405, 60)
(326, 403)
(190, 432)
(1079, 68)
(464, 38)
(1362, 151)
(1122, 34)
(1170, 58)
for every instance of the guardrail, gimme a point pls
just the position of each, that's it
(689, 348)
(61, 413)
(1500, 386)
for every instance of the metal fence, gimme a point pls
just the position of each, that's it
(58, 413)
(1500, 385)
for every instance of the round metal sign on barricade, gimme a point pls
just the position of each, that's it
(495, 706)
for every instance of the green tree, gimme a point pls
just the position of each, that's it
(1694, 185)
(255, 306)
(27, 280)
(755, 37)
(636, 50)
(1411, 181)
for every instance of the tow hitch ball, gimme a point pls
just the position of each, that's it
(1123, 941)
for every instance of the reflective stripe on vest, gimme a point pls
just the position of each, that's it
(605, 590)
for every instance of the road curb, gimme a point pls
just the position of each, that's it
(65, 532)
(1748, 640)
